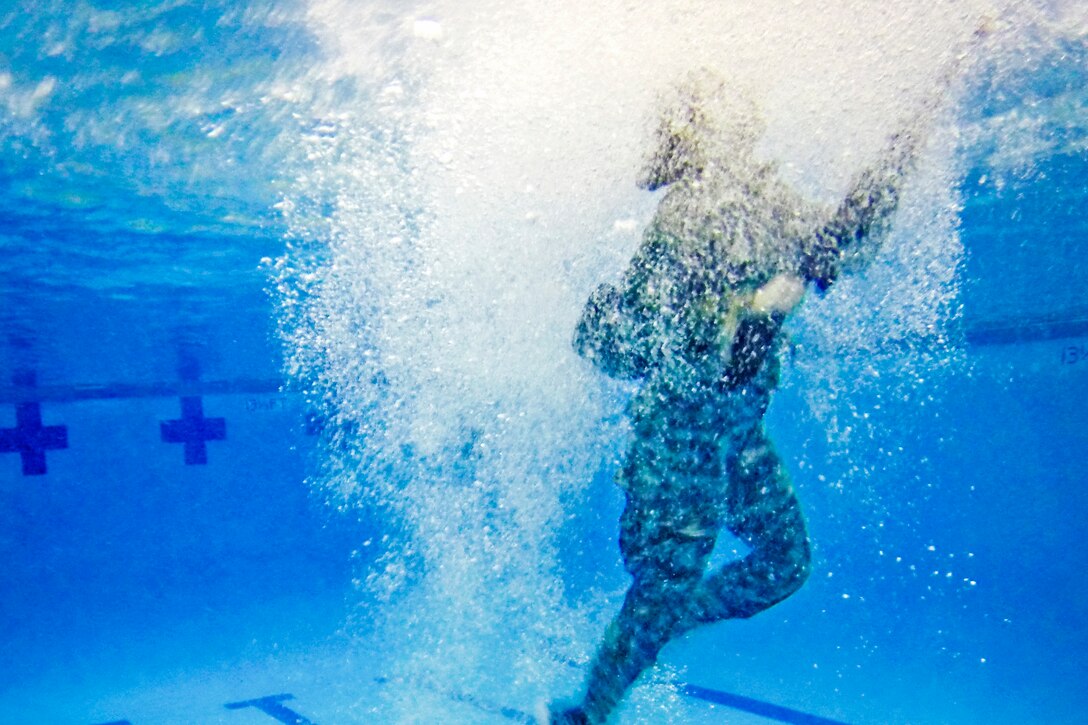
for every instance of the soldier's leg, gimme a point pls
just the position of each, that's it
(666, 553)
(762, 511)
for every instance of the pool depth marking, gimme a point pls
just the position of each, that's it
(194, 430)
(271, 706)
(29, 438)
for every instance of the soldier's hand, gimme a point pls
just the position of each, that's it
(779, 296)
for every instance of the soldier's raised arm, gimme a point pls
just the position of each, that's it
(860, 223)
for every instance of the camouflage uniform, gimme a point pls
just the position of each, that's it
(683, 322)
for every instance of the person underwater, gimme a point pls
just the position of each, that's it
(697, 319)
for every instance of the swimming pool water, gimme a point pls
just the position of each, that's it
(207, 210)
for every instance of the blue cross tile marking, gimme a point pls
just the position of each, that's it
(271, 706)
(29, 438)
(194, 430)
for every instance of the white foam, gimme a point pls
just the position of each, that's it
(468, 194)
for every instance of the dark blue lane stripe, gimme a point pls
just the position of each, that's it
(756, 707)
(980, 333)
(728, 699)
(272, 706)
(1039, 330)
(112, 391)
(510, 713)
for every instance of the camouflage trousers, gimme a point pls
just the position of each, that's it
(694, 467)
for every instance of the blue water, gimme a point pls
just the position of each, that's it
(144, 156)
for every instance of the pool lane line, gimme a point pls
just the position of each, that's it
(755, 707)
(1042, 329)
(980, 333)
(510, 713)
(114, 391)
(272, 705)
(718, 697)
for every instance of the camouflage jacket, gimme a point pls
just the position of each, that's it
(681, 317)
